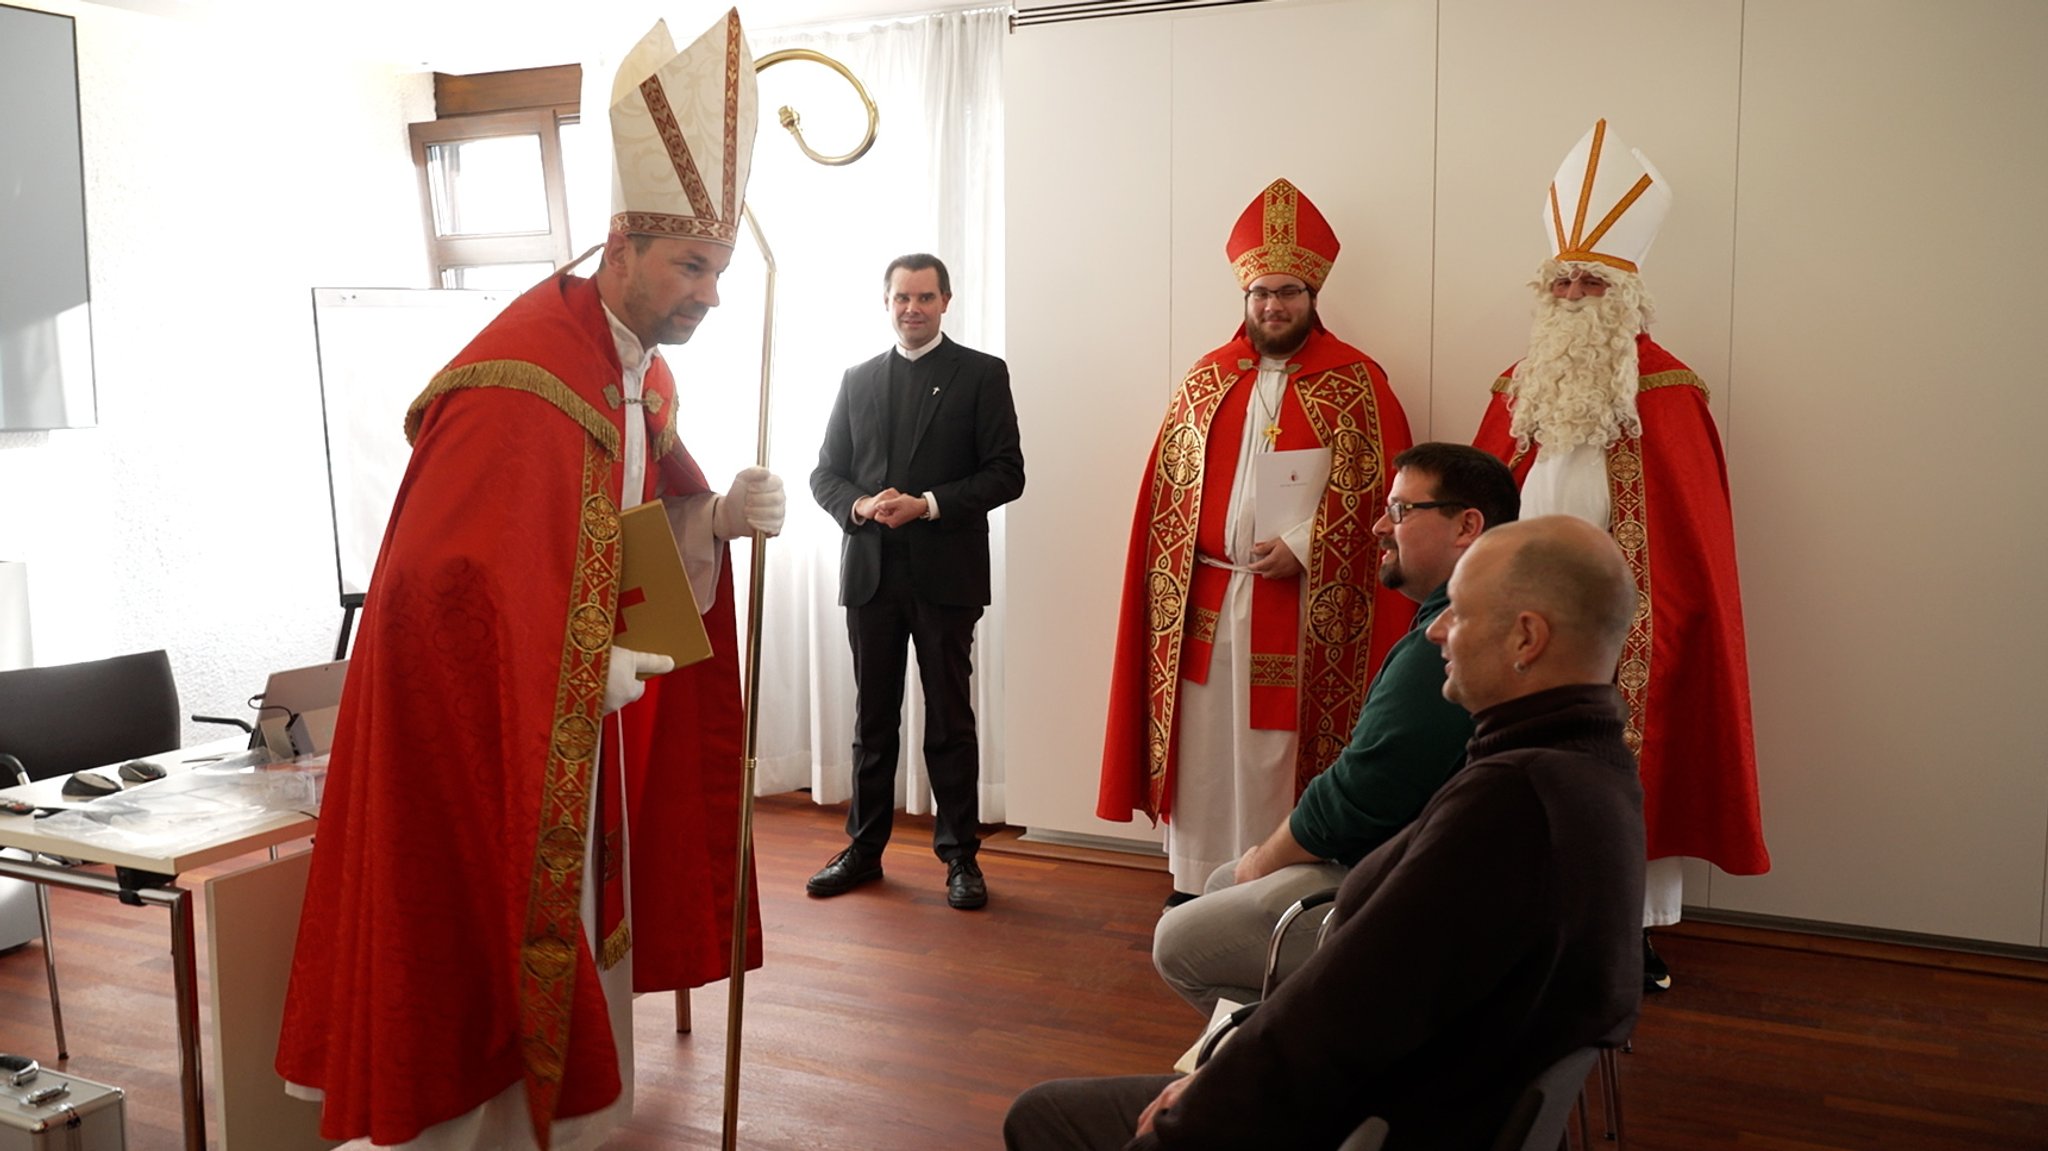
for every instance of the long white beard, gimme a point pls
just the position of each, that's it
(1577, 385)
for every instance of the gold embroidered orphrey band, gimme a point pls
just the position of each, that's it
(1176, 501)
(554, 927)
(1631, 529)
(1629, 524)
(1342, 572)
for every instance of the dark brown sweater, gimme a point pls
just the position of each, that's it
(1497, 933)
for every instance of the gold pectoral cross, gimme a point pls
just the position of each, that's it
(1272, 434)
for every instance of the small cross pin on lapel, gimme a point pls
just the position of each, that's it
(935, 391)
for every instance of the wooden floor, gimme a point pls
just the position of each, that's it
(884, 1019)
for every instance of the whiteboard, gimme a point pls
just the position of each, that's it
(378, 348)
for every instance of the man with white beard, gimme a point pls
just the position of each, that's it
(1600, 422)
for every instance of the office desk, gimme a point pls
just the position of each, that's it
(34, 835)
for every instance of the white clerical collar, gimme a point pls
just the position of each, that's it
(915, 354)
(632, 356)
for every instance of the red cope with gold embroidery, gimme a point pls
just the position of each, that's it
(1316, 639)
(1684, 667)
(442, 956)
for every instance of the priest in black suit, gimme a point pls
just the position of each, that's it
(920, 447)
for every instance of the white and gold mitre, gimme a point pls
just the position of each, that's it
(1606, 203)
(683, 134)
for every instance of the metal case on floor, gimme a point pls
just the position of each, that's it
(71, 1114)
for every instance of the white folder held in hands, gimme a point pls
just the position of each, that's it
(1287, 489)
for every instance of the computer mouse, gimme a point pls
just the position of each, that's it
(140, 771)
(90, 783)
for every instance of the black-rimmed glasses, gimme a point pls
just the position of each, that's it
(1286, 295)
(1397, 510)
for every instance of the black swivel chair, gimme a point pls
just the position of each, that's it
(57, 720)
(1538, 1120)
(1539, 1117)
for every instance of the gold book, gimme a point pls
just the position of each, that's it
(657, 610)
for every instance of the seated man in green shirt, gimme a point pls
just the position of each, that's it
(1408, 741)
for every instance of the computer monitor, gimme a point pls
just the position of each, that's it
(295, 715)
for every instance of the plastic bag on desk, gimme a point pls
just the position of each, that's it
(187, 810)
(287, 785)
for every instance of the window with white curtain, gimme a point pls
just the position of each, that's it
(933, 182)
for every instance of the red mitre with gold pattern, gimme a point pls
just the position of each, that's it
(1281, 233)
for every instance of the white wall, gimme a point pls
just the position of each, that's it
(1849, 265)
(1089, 307)
(224, 179)
(1510, 109)
(1882, 446)
(1127, 172)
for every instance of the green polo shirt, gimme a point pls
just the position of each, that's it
(1408, 741)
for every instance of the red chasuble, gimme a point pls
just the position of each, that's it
(1315, 640)
(1684, 669)
(441, 954)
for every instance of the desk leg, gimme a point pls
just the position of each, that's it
(50, 970)
(184, 969)
(185, 975)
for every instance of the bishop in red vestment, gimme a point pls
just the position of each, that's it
(1242, 656)
(514, 837)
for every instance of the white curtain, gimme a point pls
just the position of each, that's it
(932, 182)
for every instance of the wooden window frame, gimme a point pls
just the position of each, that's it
(529, 102)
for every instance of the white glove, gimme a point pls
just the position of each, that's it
(624, 680)
(755, 504)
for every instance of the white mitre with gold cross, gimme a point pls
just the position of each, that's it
(683, 134)
(1606, 203)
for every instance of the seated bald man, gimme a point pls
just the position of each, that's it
(1494, 935)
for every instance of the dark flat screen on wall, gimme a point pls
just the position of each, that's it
(45, 326)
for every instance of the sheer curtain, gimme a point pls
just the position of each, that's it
(933, 182)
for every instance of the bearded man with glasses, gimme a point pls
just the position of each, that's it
(1244, 648)
(1407, 741)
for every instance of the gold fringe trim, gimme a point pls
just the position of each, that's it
(1675, 378)
(615, 946)
(519, 376)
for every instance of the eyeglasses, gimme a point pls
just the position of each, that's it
(1286, 295)
(1397, 510)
